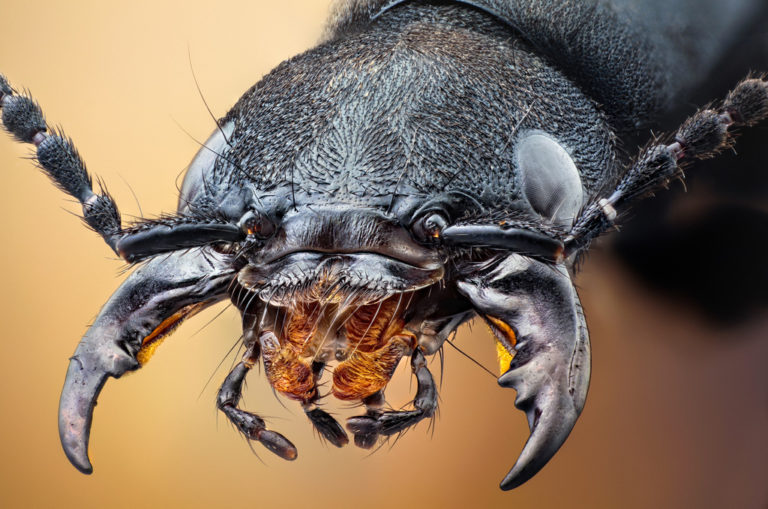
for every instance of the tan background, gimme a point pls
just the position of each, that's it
(677, 414)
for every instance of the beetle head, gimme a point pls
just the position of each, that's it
(371, 169)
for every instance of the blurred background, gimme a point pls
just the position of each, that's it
(677, 414)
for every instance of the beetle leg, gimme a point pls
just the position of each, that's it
(250, 425)
(534, 311)
(367, 428)
(326, 425)
(324, 422)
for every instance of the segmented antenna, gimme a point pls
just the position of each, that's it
(58, 158)
(705, 134)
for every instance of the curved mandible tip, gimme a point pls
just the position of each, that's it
(97, 357)
(148, 305)
(534, 309)
(81, 389)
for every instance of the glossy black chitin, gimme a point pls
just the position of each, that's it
(427, 163)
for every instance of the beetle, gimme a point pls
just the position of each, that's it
(238, 233)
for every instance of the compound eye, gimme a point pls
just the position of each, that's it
(429, 228)
(258, 225)
(551, 181)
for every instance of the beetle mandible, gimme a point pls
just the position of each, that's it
(414, 178)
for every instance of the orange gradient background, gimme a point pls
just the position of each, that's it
(677, 414)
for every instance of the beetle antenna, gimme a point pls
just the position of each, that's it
(705, 134)
(57, 156)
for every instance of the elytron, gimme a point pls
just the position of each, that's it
(428, 163)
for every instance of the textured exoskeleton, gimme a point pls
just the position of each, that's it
(429, 162)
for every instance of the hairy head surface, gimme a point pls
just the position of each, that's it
(425, 101)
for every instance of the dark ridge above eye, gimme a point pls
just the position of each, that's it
(521, 241)
(163, 235)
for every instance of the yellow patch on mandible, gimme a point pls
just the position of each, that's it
(505, 358)
(502, 351)
(162, 331)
